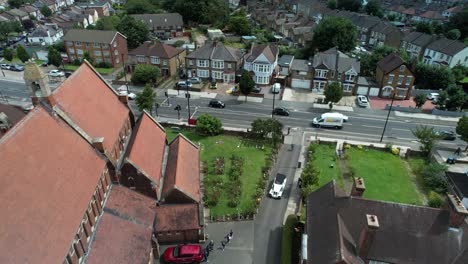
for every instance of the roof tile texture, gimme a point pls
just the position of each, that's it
(155, 49)
(172, 217)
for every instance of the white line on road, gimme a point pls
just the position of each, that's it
(379, 127)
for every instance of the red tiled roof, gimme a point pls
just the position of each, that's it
(409, 11)
(92, 105)
(48, 176)
(155, 49)
(183, 168)
(170, 217)
(147, 147)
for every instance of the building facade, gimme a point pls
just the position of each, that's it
(262, 60)
(394, 78)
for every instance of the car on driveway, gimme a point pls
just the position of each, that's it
(446, 134)
(432, 96)
(195, 80)
(217, 104)
(190, 253)
(5, 66)
(279, 183)
(56, 73)
(183, 84)
(362, 101)
(281, 111)
(17, 68)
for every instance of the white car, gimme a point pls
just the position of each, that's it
(362, 101)
(432, 96)
(130, 95)
(278, 186)
(56, 73)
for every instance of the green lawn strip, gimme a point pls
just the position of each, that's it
(385, 176)
(14, 61)
(324, 157)
(416, 165)
(71, 67)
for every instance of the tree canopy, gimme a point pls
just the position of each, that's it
(373, 8)
(420, 100)
(350, 5)
(433, 77)
(209, 125)
(460, 22)
(369, 61)
(22, 54)
(45, 10)
(267, 128)
(333, 93)
(144, 74)
(145, 100)
(246, 83)
(108, 22)
(140, 7)
(200, 11)
(135, 31)
(462, 128)
(7, 27)
(335, 32)
(427, 138)
(8, 54)
(54, 57)
(239, 23)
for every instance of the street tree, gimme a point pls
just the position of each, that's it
(442, 99)
(350, 5)
(239, 23)
(7, 27)
(145, 100)
(246, 83)
(456, 98)
(209, 125)
(333, 93)
(427, 137)
(420, 100)
(54, 57)
(46, 11)
(433, 77)
(265, 129)
(108, 22)
(22, 54)
(135, 31)
(373, 8)
(462, 129)
(145, 74)
(335, 32)
(8, 54)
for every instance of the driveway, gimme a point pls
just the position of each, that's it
(380, 103)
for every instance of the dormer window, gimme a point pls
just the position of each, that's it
(402, 68)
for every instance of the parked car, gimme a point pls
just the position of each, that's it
(195, 80)
(5, 66)
(217, 104)
(45, 64)
(362, 101)
(277, 188)
(256, 89)
(190, 253)
(432, 96)
(56, 73)
(17, 68)
(446, 134)
(183, 84)
(276, 88)
(281, 111)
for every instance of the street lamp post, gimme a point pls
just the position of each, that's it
(273, 109)
(388, 115)
(187, 95)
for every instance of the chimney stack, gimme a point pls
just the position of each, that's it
(367, 236)
(123, 98)
(358, 187)
(456, 210)
(98, 143)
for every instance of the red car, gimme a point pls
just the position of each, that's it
(184, 254)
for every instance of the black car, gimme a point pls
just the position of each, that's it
(216, 104)
(17, 68)
(446, 135)
(256, 89)
(281, 111)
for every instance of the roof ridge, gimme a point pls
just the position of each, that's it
(155, 121)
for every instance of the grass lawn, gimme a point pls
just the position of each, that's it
(324, 156)
(225, 146)
(70, 67)
(14, 61)
(385, 175)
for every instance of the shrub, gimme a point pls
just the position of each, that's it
(433, 175)
(76, 62)
(209, 125)
(435, 200)
(287, 239)
(145, 74)
(104, 64)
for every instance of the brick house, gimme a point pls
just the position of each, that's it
(214, 61)
(415, 43)
(103, 8)
(262, 60)
(394, 77)
(385, 34)
(167, 58)
(347, 228)
(166, 25)
(102, 46)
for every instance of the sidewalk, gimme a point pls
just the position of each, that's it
(426, 116)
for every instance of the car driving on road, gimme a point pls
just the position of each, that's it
(446, 134)
(190, 253)
(278, 186)
(216, 104)
(281, 111)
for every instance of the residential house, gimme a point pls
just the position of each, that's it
(301, 74)
(314, 9)
(262, 61)
(49, 3)
(333, 65)
(415, 43)
(302, 35)
(166, 25)
(18, 14)
(347, 228)
(458, 185)
(397, 11)
(394, 77)
(385, 33)
(102, 46)
(75, 16)
(429, 16)
(45, 34)
(452, 11)
(103, 8)
(364, 24)
(167, 58)
(446, 52)
(284, 64)
(214, 61)
(9, 116)
(32, 11)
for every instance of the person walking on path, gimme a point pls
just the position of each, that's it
(458, 151)
(228, 239)
(210, 245)
(206, 253)
(223, 245)
(230, 234)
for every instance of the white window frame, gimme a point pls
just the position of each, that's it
(262, 79)
(319, 85)
(164, 62)
(349, 77)
(71, 51)
(321, 73)
(141, 58)
(400, 79)
(154, 60)
(203, 63)
(348, 87)
(97, 53)
(203, 73)
(190, 62)
(217, 64)
(218, 75)
(408, 80)
(391, 77)
(79, 52)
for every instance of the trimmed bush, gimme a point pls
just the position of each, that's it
(287, 240)
(209, 125)
(435, 200)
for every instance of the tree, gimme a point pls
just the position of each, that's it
(373, 8)
(200, 11)
(108, 22)
(433, 175)
(267, 128)
(453, 34)
(22, 54)
(139, 7)
(54, 57)
(7, 27)
(310, 178)
(239, 23)
(350, 5)
(335, 32)
(456, 98)
(209, 125)
(460, 21)
(433, 77)
(459, 72)
(420, 100)
(15, 3)
(135, 31)
(60, 46)
(424, 27)
(333, 93)
(462, 128)
(369, 62)
(442, 99)
(246, 83)
(8, 54)
(46, 11)
(145, 74)
(427, 138)
(145, 100)
(178, 43)
(332, 4)
(87, 56)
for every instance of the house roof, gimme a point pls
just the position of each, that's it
(409, 11)
(390, 62)
(447, 46)
(28, 9)
(14, 113)
(125, 229)
(365, 21)
(85, 35)
(93, 4)
(418, 38)
(432, 15)
(49, 174)
(460, 180)
(269, 51)
(146, 147)
(41, 31)
(171, 217)
(161, 20)
(92, 104)
(183, 170)
(300, 65)
(285, 60)
(455, 9)
(17, 12)
(406, 233)
(155, 49)
(216, 51)
(328, 59)
(385, 28)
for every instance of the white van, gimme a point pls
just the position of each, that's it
(334, 120)
(276, 88)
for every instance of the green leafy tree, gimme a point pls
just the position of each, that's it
(60, 46)
(267, 128)
(7, 27)
(46, 11)
(460, 21)
(442, 99)
(424, 27)
(332, 4)
(335, 32)
(333, 93)
(200, 11)
(246, 83)
(54, 57)
(15, 3)
(108, 22)
(350, 5)
(433, 77)
(459, 72)
(373, 8)
(453, 34)
(139, 7)
(240, 25)
(427, 138)
(462, 128)
(135, 31)
(435, 200)
(420, 100)
(145, 100)
(178, 43)
(456, 98)
(310, 178)
(8, 54)
(22, 54)
(209, 125)
(391, 17)
(145, 74)
(87, 56)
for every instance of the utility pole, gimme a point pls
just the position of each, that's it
(273, 109)
(187, 95)
(388, 115)
(156, 106)
(125, 72)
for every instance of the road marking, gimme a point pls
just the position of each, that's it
(372, 126)
(401, 129)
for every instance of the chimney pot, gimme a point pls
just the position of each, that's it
(367, 235)
(358, 187)
(457, 211)
(123, 99)
(98, 143)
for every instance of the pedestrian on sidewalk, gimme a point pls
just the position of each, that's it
(299, 183)
(458, 151)
(223, 245)
(289, 130)
(210, 245)
(230, 234)
(227, 238)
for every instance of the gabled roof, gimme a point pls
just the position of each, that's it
(17, 12)
(28, 9)
(300, 65)
(409, 11)
(385, 28)
(41, 31)
(418, 38)
(216, 51)
(161, 20)
(447, 46)
(86, 35)
(406, 234)
(390, 62)
(269, 51)
(48, 176)
(328, 59)
(455, 9)
(183, 169)
(432, 15)
(92, 104)
(155, 49)
(173, 217)
(93, 4)
(365, 21)
(146, 147)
